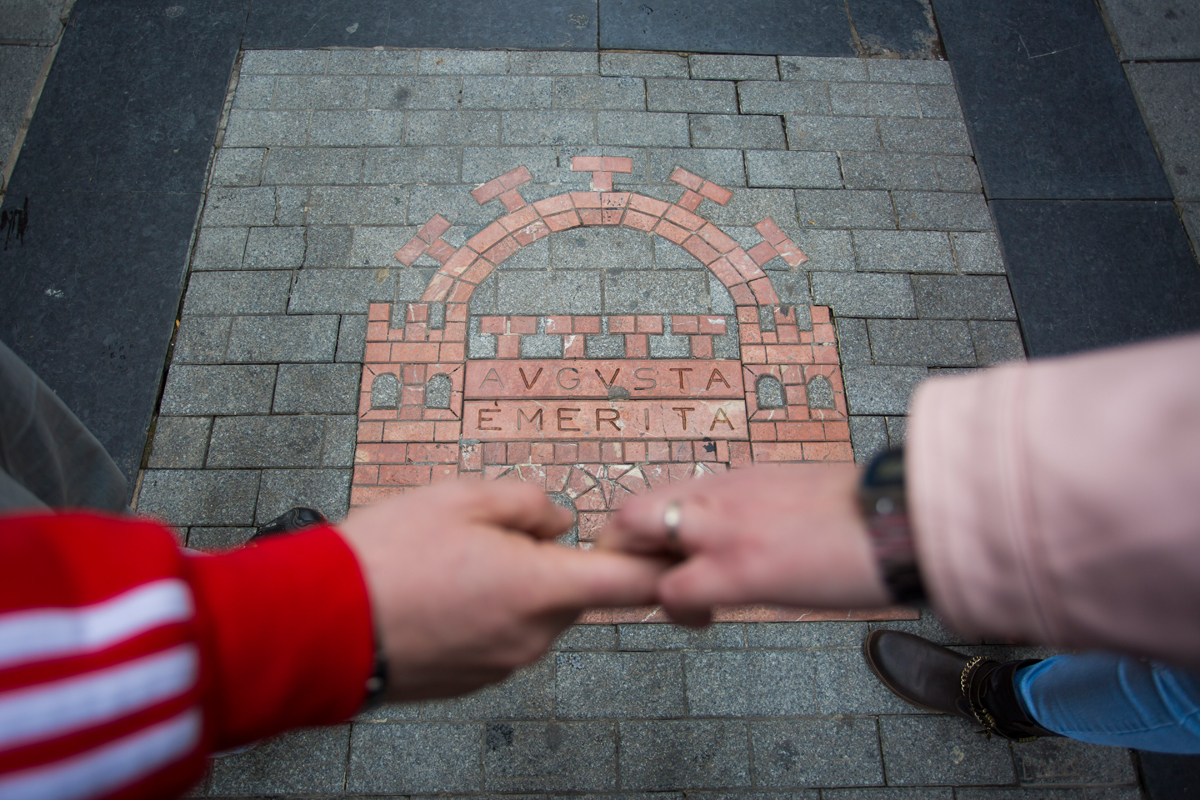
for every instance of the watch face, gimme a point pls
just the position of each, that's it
(887, 469)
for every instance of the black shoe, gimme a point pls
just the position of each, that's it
(293, 520)
(936, 678)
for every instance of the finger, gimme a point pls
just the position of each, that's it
(689, 616)
(596, 579)
(519, 507)
(640, 526)
(702, 582)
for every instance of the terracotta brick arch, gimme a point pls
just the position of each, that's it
(593, 431)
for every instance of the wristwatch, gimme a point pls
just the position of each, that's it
(882, 502)
(377, 683)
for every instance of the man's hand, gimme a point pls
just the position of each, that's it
(787, 535)
(467, 583)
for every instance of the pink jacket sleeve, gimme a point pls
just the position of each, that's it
(1059, 501)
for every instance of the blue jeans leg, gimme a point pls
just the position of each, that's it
(1115, 700)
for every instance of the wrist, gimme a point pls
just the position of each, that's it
(883, 504)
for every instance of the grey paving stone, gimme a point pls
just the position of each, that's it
(927, 627)
(352, 337)
(657, 292)
(254, 91)
(261, 128)
(444, 127)
(201, 340)
(548, 127)
(897, 430)
(357, 205)
(220, 248)
(816, 752)
(309, 760)
(957, 174)
(705, 97)
(341, 291)
(909, 71)
(240, 206)
(889, 793)
(881, 390)
(925, 343)
(199, 497)
(323, 91)
(809, 170)
(751, 206)
(853, 343)
(592, 93)
(844, 208)
(415, 757)
(903, 251)
(1058, 762)
(1191, 220)
(392, 712)
(372, 62)
(527, 694)
(284, 62)
(690, 754)
(723, 167)
(642, 129)
(553, 63)
(868, 436)
(251, 442)
(668, 345)
(463, 62)
(947, 211)
(238, 166)
(274, 248)
(619, 685)
(341, 433)
(776, 635)
(939, 101)
(963, 297)
(865, 295)
(646, 65)
(783, 97)
(925, 136)
(282, 338)
(977, 252)
(377, 246)
(722, 130)
(997, 342)
(207, 390)
(179, 442)
(543, 346)
(754, 683)
(481, 164)
(317, 389)
(873, 100)
(889, 171)
(411, 165)
(738, 68)
(932, 750)
(827, 250)
(1025, 794)
(676, 637)
(550, 756)
(803, 68)
(845, 685)
(587, 637)
(603, 248)
(291, 203)
(327, 247)
(210, 539)
(574, 292)
(413, 93)
(1169, 95)
(1154, 30)
(357, 128)
(507, 92)
(327, 490)
(605, 346)
(832, 133)
(32, 20)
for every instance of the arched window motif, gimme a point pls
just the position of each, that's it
(820, 393)
(769, 392)
(385, 391)
(437, 392)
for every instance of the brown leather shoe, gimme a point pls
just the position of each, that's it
(937, 678)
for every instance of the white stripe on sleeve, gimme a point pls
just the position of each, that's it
(49, 710)
(107, 768)
(47, 633)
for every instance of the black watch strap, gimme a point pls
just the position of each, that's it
(377, 683)
(882, 501)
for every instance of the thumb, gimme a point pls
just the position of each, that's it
(594, 578)
(698, 584)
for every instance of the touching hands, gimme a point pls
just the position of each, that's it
(467, 583)
(787, 535)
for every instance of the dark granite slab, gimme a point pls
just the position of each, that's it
(767, 27)
(90, 299)
(1170, 777)
(901, 28)
(1047, 105)
(133, 99)
(520, 24)
(1093, 274)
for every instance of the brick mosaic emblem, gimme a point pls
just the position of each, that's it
(594, 408)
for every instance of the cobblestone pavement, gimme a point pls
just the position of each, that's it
(316, 265)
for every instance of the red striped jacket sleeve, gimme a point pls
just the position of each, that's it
(124, 661)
